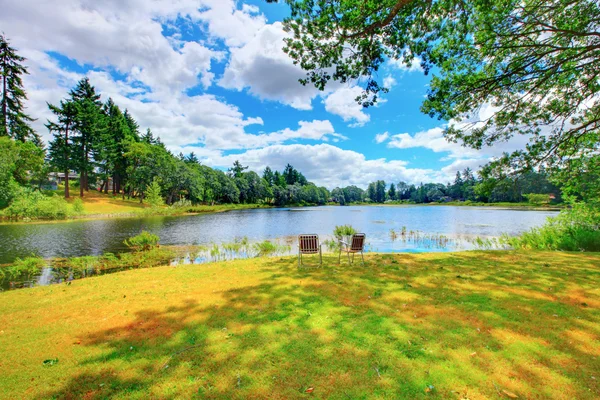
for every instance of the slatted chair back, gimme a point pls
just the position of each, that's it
(308, 244)
(358, 242)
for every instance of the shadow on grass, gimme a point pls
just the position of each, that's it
(452, 327)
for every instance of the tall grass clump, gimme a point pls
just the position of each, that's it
(143, 242)
(577, 229)
(26, 267)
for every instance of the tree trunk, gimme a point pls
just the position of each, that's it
(114, 187)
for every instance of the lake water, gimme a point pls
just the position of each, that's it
(94, 237)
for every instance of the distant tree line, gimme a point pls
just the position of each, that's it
(466, 187)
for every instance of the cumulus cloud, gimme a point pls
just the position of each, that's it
(342, 102)
(261, 67)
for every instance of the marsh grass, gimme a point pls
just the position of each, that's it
(444, 326)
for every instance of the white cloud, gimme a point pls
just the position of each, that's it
(432, 139)
(128, 36)
(342, 102)
(267, 72)
(331, 166)
(389, 82)
(382, 137)
(399, 65)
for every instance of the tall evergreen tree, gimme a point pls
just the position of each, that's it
(61, 149)
(13, 120)
(89, 126)
(392, 192)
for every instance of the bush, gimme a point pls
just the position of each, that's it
(33, 204)
(78, 206)
(142, 242)
(182, 203)
(343, 230)
(577, 229)
(538, 199)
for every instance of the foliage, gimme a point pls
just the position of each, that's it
(143, 242)
(28, 203)
(78, 206)
(26, 267)
(267, 248)
(537, 198)
(343, 230)
(504, 68)
(577, 229)
(153, 195)
(14, 122)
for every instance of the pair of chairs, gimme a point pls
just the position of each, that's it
(309, 244)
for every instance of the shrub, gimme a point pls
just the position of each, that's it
(78, 206)
(142, 242)
(577, 229)
(343, 230)
(182, 203)
(537, 198)
(33, 204)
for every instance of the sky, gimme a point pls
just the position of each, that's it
(210, 77)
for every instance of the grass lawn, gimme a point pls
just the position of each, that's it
(449, 326)
(96, 203)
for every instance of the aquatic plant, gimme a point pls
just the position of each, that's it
(343, 230)
(25, 268)
(142, 242)
(268, 248)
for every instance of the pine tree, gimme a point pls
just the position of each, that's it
(89, 126)
(13, 120)
(61, 149)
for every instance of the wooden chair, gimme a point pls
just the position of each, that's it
(356, 245)
(309, 244)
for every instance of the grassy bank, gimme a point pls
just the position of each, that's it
(465, 325)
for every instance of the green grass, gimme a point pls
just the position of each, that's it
(447, 326)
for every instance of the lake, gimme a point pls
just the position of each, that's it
(94, 237)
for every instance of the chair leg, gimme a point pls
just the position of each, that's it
(363, 258)
(349, 262)
(320, 257)
(299, 259)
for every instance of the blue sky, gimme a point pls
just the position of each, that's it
(209, 76)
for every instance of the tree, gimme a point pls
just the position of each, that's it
(392, 192)
(13, 120)
(237, 169)
(153, 194)
(89, 124)
(269, 176)
(530, 65)
(61, 149)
